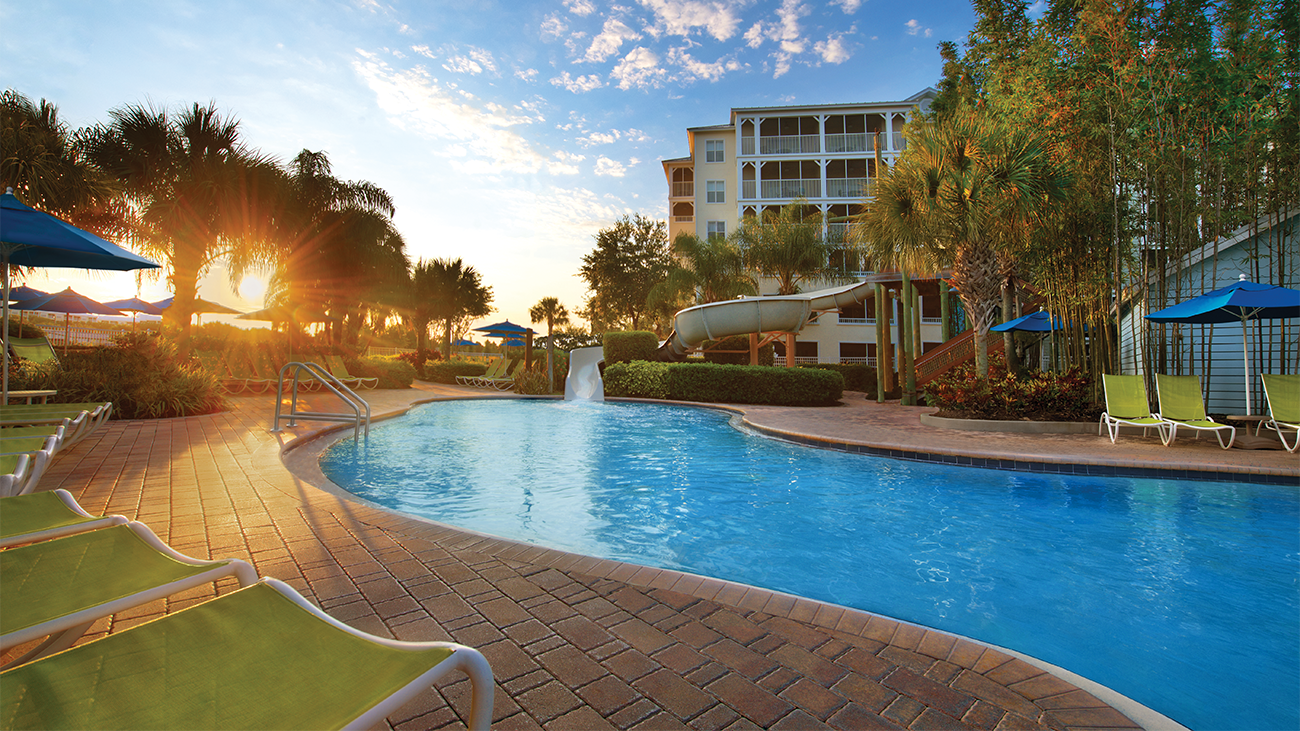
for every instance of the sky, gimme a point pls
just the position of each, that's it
(507, 133)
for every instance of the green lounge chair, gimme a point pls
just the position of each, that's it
(1127, 405)
(494, 370)
(41, 516)
(242, 366)
(19, 473)
(79, 419)
(37, 350)
(1283, 393)
(339, 368)
(214, 363)
(261, 657)
(1181, 404)
(506, 381)
(13, 437)
(56, 589)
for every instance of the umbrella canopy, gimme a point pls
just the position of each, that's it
(69, 303)
(135, 304)
(200, 306)
(1034, 322)
(283, 314)
(31, 238)
(463, 341)
(19, 294)
(502, 330)
(1241, 301)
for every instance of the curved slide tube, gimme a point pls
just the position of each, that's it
(782, 313)
(584, 382)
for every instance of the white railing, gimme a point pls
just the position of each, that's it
(380, 350)
(931, 320)
(789, 145)
(683, 190)
(806, 188)
(683, 219)
(81, 335)
(748, 189)
(899, 142)
(854, 320)
(798, 359)
(849, 187)
(852, 360)
(857, 142)
(746, 145)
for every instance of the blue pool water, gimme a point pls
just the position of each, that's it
(1182, 595)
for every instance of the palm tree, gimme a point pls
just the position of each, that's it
(194, 192)
(47, 170)
(711, 270)
(455, 296)
(422, 294)
(965, 194)
(550, 310)
(787, 245)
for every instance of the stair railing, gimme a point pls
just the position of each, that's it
(294, 373)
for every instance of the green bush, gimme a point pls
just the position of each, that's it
(27, 330)
(1038, 396)
(391, 372)
(446, 371)
(140, 374)
(857, 376)
(532, 383)
(625, 347)
(736, 384)
(766, 354)
(638, 379)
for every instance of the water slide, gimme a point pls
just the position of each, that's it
(584, 381)
(781, 313)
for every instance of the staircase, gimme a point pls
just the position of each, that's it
(951, 354)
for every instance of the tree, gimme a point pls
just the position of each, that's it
(455, 296)
(47, 170)
(963, 194)
(196, 194)
(550, 310)
(630, 258)
(421, 300)
(711, 270)
(787, 245)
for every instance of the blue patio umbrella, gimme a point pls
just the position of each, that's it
(68, 302)
(135, 305)
(503, 329)
(19, 294)
(1034, 322)
(200, 306)
(463, 341)
(32, 238)
(1240, 301)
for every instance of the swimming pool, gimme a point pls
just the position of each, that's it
(1182, 595)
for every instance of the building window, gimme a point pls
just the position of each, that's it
(717, 229)
(713, 151)
(715, 191)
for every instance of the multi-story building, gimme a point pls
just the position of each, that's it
(828, 154)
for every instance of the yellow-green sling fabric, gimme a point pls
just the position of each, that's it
(1181, 400)
(26, 432)
(251, 659)
(39, 511)
(1283, 392)
(1126, 398)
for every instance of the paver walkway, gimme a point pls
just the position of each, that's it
(574, 642)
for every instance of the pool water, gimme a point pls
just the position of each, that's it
(1184, 596)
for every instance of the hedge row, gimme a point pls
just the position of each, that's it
(446, 371)
(857, 376)
(625, 347)
(734, 384)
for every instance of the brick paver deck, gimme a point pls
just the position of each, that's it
(574, 642)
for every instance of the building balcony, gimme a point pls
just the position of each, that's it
(683, 190)
(849, 187)
(777, 189)
(683, 219)
(782, 145)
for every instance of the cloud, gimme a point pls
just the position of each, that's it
(681, 17)
(553, 27)
(578, 85)
(639, 68)
(785, 31)
(610, 168)
(528, 75)
(423, 51)
(833, 49)
(914, 28)
(610, 39)
(580, 7)
(599, 138)
(478, 140)
(694, 69)
(564, 163)
(848, 6)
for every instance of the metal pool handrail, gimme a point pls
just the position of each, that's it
(314, 370)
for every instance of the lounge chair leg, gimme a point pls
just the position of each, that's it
(1168, 438)
(52, 644)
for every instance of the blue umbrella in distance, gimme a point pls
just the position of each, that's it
(68, 302)
(32, 238)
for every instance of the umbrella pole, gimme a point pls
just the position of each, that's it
(5, 264)
(67, 330)
(1245, 351)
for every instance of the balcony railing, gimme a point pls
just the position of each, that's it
(807, 188)
(849, 187)
(789, 145)
(683, 219)
(683, 190)
(899, 143)
(859, 142)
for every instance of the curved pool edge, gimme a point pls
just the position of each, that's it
(301, 456)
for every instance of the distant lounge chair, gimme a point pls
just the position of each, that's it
(495, 369)
(42, 516)
(242, 366)
(37, 350)
(339, 369)
(214, 363)
(78, 420)
(261, 657)
(1127, 405)
(1283, 393)
(56, 589)
(506, 381)
(19, 473)
(1182, 405)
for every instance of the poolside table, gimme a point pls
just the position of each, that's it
(43, 395)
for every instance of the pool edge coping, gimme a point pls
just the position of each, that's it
(301, 456)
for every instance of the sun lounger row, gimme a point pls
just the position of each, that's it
(500, 375)
(255, 372)
(1181, 405)
(31, 434)
(260, 656)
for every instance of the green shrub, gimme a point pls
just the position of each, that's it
(391, 372)
(736, 384)
(638, 379)
(140, 374)
(446, 371)
(766, 354)
(857, 376)
(625, 347)
(532, 383)
(1039, 396)
(28, 330)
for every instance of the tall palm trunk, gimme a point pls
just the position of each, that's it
(975, 274)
